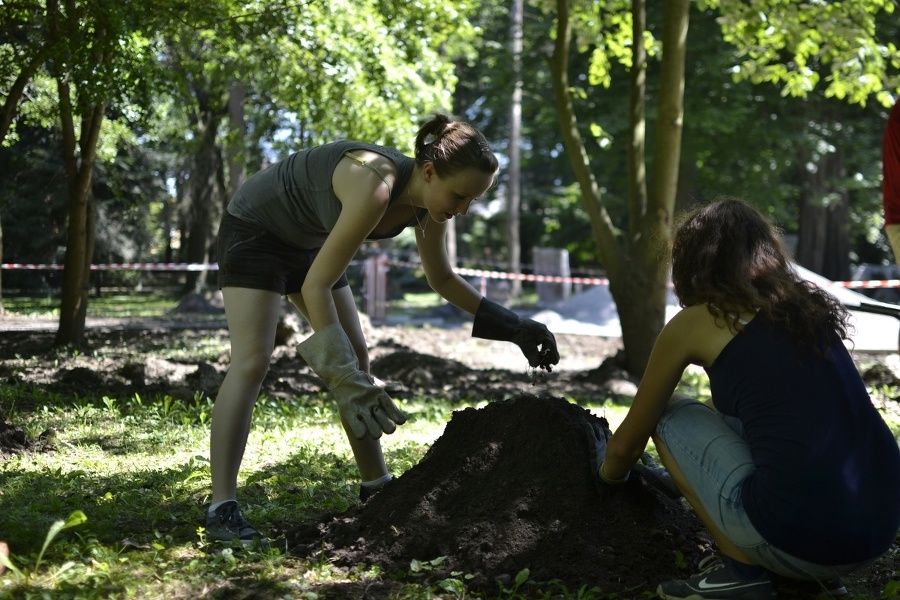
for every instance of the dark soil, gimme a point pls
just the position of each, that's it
(508, 487)
(505, 488)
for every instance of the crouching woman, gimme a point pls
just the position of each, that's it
(791, 468)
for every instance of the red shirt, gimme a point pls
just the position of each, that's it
(891, 168)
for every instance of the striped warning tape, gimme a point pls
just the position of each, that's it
(871, 284)
(119, 267)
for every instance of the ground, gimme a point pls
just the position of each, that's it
(506, 487)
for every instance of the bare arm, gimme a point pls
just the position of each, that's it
(691, 337)
(364, 198)
(439, 272)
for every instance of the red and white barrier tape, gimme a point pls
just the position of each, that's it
(120, 267)
(524, 277)
(871, 284)
(884, 283)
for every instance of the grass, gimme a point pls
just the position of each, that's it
(114, 511)
(112, 508)
(106, 305)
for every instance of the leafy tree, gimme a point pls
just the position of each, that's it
(100, 53)
(19, 64)
(92, 52)
(632, 256)
(295, 64)
(304, 77)
(824, 56)
(637, 277)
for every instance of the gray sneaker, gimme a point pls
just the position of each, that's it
(228, 525)
(716, 581)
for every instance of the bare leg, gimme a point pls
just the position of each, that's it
(725, 545)
(367, 452)
(252, 317)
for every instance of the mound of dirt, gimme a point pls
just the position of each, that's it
(505, 488)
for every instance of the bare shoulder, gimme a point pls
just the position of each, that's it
(691, 317)
(364, 176)
(700, 332)
(380, 161)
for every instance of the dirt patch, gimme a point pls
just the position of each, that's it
(13, 440)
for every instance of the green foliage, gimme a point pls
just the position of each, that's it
(802, 45)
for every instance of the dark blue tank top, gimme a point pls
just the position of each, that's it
(827, 485)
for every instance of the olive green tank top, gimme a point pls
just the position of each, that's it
(294, 198)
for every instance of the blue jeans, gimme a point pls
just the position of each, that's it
(715, 459)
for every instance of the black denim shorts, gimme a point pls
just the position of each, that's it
(252, 257)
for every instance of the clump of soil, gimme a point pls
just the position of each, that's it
(13, 440)
(508, 487)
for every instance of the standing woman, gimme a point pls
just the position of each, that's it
(792, 470)
(292, 230)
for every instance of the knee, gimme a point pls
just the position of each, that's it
(251, 367)
(678, 397)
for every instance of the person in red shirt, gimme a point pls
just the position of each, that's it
(890, 186)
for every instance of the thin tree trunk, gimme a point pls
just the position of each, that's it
(237, 164)
(601, 225)
(637, 279)
(79, 157)
(203, 197)
(514, 199)
(642, 306)
(81, 221)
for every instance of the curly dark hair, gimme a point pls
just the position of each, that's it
(728, 255)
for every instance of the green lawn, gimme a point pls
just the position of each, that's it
(111, 505)
(111, 509)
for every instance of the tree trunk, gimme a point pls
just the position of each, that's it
(514, 199)
(638, 276)
(81, 219)
(203, 208)
(79, 157)
(237, 164)
(601, 224)
(641, 295)
(823, 244)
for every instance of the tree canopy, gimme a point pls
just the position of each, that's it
(783, 103)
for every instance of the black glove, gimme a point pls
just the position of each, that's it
(598, 433)
(657, 476)
(494, 322)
